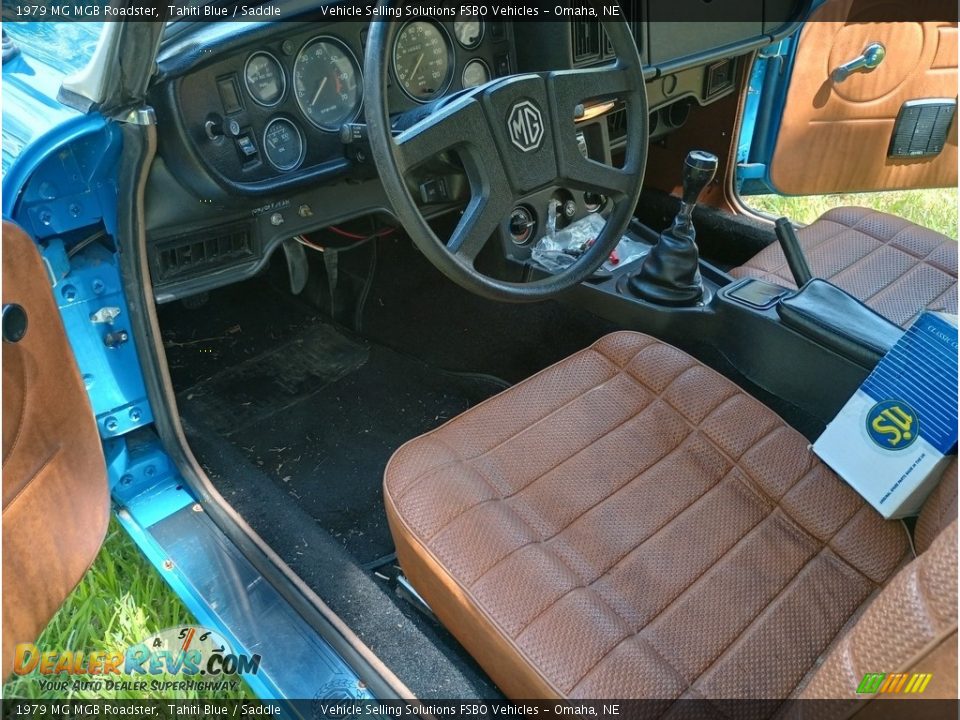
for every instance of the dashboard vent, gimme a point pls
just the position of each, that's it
(586, 40)
(590, 42)
(189, 255)
(617, 125)
(630, 10)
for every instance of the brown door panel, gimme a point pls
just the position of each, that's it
(56, 502)
(834, 137)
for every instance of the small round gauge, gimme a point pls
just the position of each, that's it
(469, 33)
(283, 144)
(327, 84)
(475, 73)
(264, 78)
(421, 60)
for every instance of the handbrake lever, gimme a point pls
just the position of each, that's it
(794, 254)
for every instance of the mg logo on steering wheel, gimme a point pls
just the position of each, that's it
(525, 126)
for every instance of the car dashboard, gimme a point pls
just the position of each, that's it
(261, 123)
(269, 116)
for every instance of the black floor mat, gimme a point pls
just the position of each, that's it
(320, 416)
(413, 308)
(236, 323)
(388, 625)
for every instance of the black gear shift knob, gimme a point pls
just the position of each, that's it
(670, 274)
(698, 170)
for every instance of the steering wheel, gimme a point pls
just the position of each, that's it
(514, 135)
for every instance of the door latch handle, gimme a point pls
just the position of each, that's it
(868, 61)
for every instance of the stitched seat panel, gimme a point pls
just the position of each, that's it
(892, 265)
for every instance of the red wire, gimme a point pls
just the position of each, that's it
(355, 236)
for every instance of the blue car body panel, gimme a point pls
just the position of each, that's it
(31, 80)
(766, 99)
(60, 184)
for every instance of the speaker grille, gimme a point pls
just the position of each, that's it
(921, 128)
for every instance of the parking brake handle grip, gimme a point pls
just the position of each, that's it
(794, 254)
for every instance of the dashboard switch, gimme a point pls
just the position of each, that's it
(354, 133)
(434, 191)
(247, 147)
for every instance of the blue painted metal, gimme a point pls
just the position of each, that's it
(217, 584)
(141, 476)
(62, 189)
(763, 113)
(32, 78)
(65, 179)
(749, 121)
(111, 372)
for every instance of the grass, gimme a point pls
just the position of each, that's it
(935, 209)
(119, 602)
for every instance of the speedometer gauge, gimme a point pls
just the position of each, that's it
(421, 60)
(326, 83)
(264, 78)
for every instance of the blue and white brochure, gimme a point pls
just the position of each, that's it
(891, 440)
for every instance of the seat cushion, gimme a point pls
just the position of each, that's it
(911, 627)
(629, 523)
(894, 266)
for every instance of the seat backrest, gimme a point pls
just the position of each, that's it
(939, 510)
(911, 625)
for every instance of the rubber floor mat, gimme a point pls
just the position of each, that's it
(258, 389)
(320, 416)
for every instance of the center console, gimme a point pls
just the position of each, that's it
(811, 347)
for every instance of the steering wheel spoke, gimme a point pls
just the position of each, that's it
(583, 174)
(460, 125)
(479, 222)
(575, 87)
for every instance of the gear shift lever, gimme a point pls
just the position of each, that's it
(670, 274)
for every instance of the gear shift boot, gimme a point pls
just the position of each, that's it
(670, 274)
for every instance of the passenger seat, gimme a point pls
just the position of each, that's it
(894, 266)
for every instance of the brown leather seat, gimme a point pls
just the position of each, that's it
(894, 266)
(628, 523)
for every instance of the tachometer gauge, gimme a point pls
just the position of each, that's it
(326, 83)
(475, 73)
(469, 32)
(283, 144)
(421, 60)
(264, 78)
